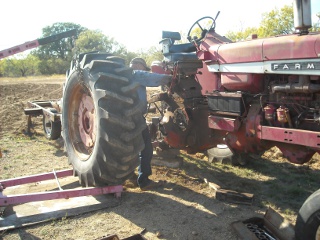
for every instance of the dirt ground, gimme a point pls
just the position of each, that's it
(185, 208)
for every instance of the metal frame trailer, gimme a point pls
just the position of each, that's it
(50, 111)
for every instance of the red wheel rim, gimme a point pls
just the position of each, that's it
(86, 121)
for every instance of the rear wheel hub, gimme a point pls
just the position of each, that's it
(86, 121)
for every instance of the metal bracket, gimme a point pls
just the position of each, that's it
(49, 195)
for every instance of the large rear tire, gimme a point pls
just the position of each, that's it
(102, 120)
(308, 220)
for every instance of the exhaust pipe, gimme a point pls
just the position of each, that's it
(302, 16)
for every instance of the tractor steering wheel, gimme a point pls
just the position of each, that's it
(203, 24)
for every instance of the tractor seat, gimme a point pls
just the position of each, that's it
(168, 39)
(177, 52)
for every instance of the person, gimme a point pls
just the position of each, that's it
(142, 75)
(139, 64)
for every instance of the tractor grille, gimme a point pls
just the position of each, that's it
(226, 103)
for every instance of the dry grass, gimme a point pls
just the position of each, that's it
(33, 78)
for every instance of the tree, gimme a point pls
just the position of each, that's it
(2, 68)
(55, 57)
(152, 54)
(53, 66)
(20, 66)
(95, 40)
(60, 49)
(242, 35)
(316, 26)
(277, 22)
(196, 31)
(273, 23)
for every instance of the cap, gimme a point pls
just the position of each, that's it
(141, 61)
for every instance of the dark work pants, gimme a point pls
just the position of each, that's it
(146, 154)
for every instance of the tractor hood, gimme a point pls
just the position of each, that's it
(275, 48)
(265, 49)
(285, 54)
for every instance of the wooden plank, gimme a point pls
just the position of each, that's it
(234, 197)
(229, 195)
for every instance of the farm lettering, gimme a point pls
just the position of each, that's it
(296, 66)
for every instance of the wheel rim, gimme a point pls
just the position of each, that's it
(81, 122)
(86, 121)
(47, 126)
(318, 234)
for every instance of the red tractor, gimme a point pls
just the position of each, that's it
(225, 97)
(244, 97)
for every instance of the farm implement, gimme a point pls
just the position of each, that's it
(51, 116)
(26, 205)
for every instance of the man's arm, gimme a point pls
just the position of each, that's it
(149, 79)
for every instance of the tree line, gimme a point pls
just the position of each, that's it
(55, 58)
(273, 23)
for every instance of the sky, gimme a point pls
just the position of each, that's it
(137, 24)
